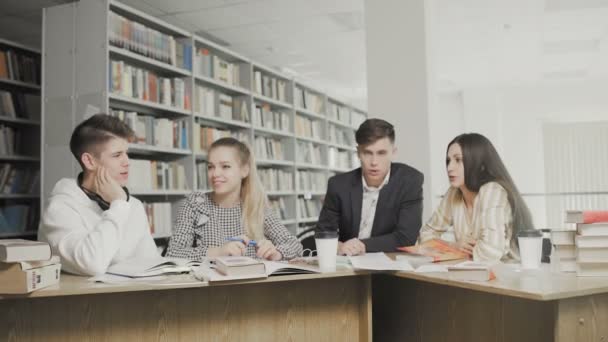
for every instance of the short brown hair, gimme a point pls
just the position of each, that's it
(372, 130)
(96, 130)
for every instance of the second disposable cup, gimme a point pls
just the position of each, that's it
(327, 249)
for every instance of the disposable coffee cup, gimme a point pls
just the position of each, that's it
(327, 250)
(530, 248)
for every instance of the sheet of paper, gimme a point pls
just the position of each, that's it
(379, 262)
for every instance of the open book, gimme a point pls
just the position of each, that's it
(439, 250)
(249, 270)
(150, 267)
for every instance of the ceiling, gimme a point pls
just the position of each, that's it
(475, 43)
(320, 42)
(483, 43)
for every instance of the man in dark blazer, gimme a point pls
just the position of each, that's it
(377, 207)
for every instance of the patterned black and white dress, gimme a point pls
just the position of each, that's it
(202, 224)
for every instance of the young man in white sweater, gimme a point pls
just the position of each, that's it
(91, 222)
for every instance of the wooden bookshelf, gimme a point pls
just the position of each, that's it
(242, 80)
(20, 74)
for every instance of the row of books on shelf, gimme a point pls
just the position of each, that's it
(276, 179)
(278, 205)
(309, 207)
(357, 119)
(145, 85)
(268, 148)
(342, 136)
(18, 218)
(18, 66)
(156, 175)
(309, 153)
(306, 99)
(584, 249)
(19, 180)
(308, 128)
(213, 103)
(159, 217)
(10, 140)
(341, 159)
(148, 42)
(204, 136)
(19, 105)
(201, 176)
(154, 131)
(270, 86)
(338, 112)
(208, 64)
(311, 180)
(264, 116)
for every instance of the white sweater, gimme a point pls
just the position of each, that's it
(88, 239)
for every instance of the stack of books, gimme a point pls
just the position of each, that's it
(591, 241)
(563, 253)
(26, 266)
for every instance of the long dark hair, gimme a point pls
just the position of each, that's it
(482, 165)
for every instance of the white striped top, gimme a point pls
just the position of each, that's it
(491, 223)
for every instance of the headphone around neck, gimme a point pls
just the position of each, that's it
(93, 196)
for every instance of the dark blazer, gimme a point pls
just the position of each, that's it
(398, 215)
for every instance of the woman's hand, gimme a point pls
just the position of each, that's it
(467, 245)
(231, 248)
(267, 250)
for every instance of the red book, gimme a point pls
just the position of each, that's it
(438, 249)
(586, 216)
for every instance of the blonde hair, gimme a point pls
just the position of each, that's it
(253, 197)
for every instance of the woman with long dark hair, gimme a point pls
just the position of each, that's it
(482, 204)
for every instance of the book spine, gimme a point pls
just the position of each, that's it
(39, 278)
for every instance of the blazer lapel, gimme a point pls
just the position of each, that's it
(356, 199)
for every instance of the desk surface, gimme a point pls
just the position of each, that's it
(541, 285)
(71, 285)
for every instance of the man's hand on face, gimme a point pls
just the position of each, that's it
(107, 187)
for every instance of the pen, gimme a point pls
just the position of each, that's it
(251, 242)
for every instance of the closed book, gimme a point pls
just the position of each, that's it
(591, 241)
(15, 250)
(562, 237)
(470, 271)
(239, 266)
(25, 277)
(586, 216)
(563, 251)
(592, 269)
(592, 229)
(592, 254)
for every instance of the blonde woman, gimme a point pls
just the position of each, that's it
(233, 219)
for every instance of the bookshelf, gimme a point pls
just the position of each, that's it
(19, 140)
(221, 93)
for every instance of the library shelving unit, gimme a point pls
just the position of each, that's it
(19, 140)
(103, 56)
